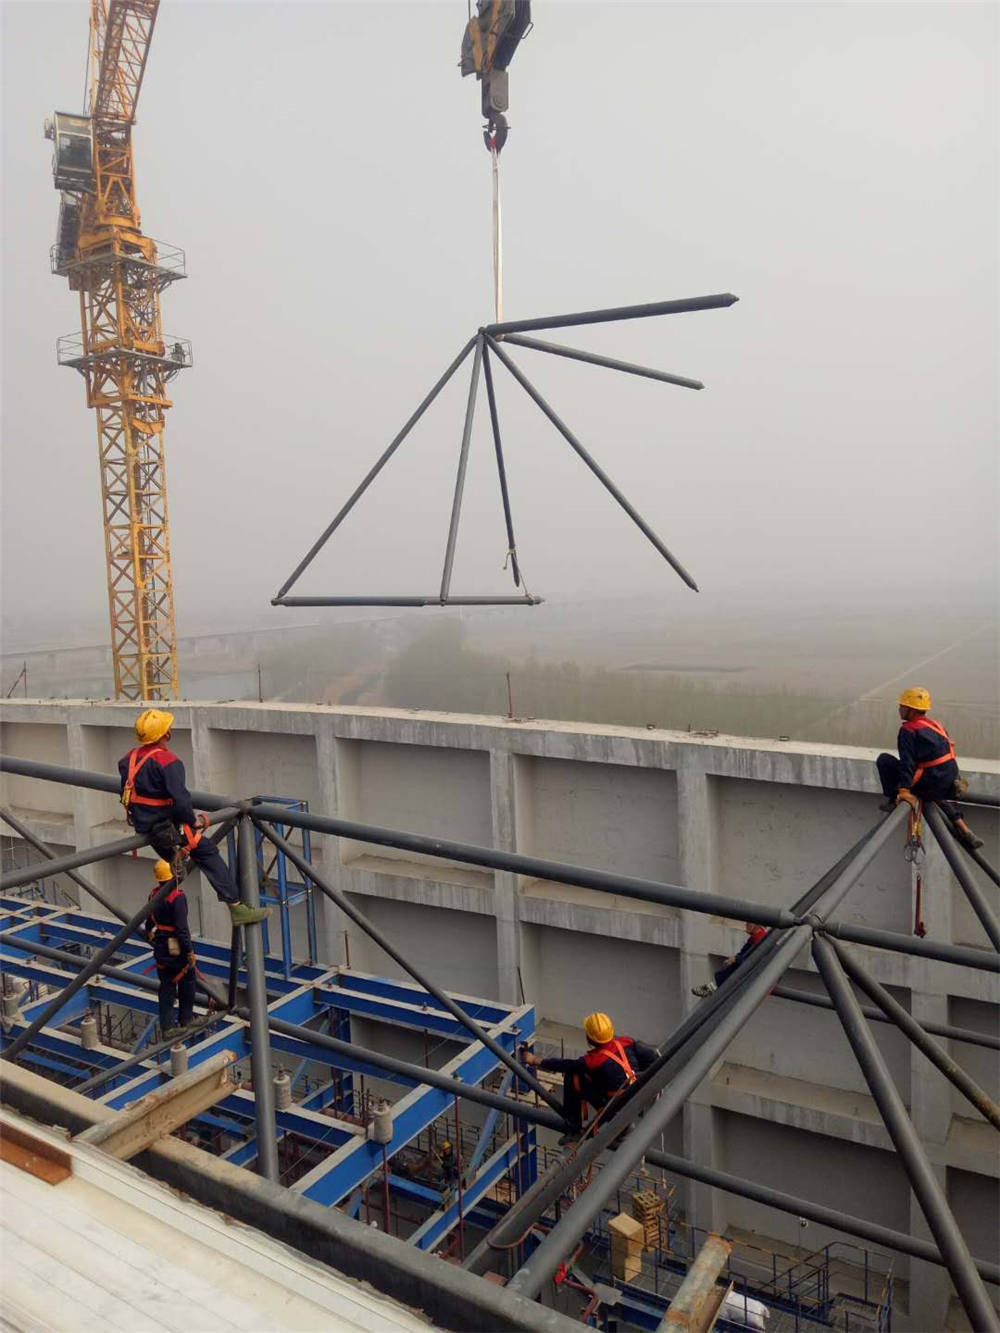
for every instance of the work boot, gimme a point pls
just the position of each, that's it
(570, 1138)
(888, 805)
(242, 915)
(705, 990)
(170, 1034)
(966, 836)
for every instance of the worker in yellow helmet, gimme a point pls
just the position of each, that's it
(607, 1070)
(926, 769)
(157, 803)
(168, 932)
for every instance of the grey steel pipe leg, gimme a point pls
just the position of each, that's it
(373, 472)
(443, 998)
(930, 1195)
(260, 1045)
(976, 897)
(463, 463)
(24, 832)
(594, 466)
(936, 1053)
(501, 468)
(609, 362)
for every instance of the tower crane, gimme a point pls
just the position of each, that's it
(122, 353)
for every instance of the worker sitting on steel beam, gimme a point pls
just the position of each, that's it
(755, 934)
(926, 769)
(606, 1071)
(168, 932)
(158, 804)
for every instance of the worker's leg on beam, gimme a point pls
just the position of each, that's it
(888, 775)
(207, 858)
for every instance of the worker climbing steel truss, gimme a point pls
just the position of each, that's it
(686, 1055)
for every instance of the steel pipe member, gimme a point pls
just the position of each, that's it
(260, 1049)
(24, 832)
(937, 1055)
(508, 517)
(532, 867)
(609, 362)
(463, 462)
(923, 1181)
(977, 899)
(475, 1029)
(650, 308)
(370, 476)
(946, 1030)
(593, 465)
(812, 1212)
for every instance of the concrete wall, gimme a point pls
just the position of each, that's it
(756, 819)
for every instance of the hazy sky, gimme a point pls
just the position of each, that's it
(833, 165)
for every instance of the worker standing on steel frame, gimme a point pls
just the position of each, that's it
(926, 769)
(755, 934)
(168, 932)
(606, 1071)
(157, 803)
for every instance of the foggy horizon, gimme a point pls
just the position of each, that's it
(834, 166)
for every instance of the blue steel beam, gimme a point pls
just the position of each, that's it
(489, 1127)
(333, 1180)
(401, 1014)
(321, 1055)
(434, 1229)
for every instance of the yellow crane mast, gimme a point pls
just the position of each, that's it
(122, 353)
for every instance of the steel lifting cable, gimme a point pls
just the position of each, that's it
(497, 233)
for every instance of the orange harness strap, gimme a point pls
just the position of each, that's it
(928, 724)
(136, 760)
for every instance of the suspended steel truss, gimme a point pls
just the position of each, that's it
(261, 1010)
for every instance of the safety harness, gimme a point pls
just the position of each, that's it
(137, 759)
(614, 1051)
(160, 927)
(928, 724)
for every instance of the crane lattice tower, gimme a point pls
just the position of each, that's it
(122, 352)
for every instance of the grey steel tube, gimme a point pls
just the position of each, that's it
(615, 313)
(592, 359)
(83, 976)
(463, 463)
(431, 599)
(491, 399)
(84, 777)
(923, 1181)
(373, 472)
(626, 886)
(89, 856)
(533, 867)
(593, 465)
(683, 1075)
(945, 1030)
(977, 899)
(24, 832)
(983, 864)
(684, 1070)
(812, 1212)
(962, 954)
(260, 1048)
(937, 1055)
(384, 943)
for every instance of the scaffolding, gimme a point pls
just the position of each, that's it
(305, 1017)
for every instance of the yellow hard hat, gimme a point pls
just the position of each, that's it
(446, 1146)
(598, 1028)
(163, 871)
(152, 725)
(915, 697)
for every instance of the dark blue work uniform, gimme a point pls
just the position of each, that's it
(160, 805)
(168, 931)
(926, 765)
(753, 939)
(604, 1072)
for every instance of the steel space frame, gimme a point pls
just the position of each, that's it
(280, 1009)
